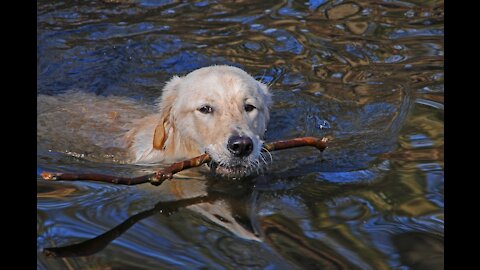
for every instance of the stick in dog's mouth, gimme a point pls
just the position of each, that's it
(167, 173)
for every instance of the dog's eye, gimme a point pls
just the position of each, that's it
(249, 107)
(205, 109)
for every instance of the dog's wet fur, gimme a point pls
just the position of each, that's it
(219, 110)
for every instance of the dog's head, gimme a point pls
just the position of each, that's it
(220, 110)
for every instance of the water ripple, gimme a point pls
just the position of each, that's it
(368, 74)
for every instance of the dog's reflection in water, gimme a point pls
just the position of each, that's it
(224, 202)
(219, 110)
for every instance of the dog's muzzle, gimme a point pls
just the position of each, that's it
(239, 161)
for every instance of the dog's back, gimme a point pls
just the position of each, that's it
(87, 125)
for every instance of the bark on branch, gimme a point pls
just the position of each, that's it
(158, 177)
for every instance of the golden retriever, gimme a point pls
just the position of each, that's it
(219, 110)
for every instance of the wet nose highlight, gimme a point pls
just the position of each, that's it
(240, 146)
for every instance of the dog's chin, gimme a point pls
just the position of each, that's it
(234, 172)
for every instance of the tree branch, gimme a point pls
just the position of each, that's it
(167, 173)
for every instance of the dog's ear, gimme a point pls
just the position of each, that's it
(165, 104)
(159, 137)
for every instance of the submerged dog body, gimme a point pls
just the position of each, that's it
(220, 110)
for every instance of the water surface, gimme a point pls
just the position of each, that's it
(369, 74)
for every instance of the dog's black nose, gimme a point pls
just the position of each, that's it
(240, 146)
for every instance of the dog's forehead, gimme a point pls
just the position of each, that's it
(221, 84)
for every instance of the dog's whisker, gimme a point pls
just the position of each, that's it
(263, 77)
(259, 164)
(210, 163)
(268, 152)
(263, 159)
(238, 167)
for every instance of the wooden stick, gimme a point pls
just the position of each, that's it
(320, 144)
(51, 176)
(154, 179)
(167, 173)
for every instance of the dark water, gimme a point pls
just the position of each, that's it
(367, 73)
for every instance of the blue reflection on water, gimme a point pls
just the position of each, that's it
(313, 4)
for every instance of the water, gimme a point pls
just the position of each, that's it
(367, 73)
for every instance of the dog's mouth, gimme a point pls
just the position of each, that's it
(235, 171)
(229, 166)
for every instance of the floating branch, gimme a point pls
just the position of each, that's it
(158, 177)
(320, 144)
(98, 243)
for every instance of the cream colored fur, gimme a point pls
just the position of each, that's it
(124, 130)
(181, 131)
